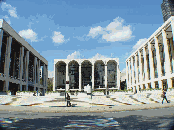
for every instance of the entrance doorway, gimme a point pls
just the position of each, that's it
(13, 87)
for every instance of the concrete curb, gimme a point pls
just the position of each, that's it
(84, 109)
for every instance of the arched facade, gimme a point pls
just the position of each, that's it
(99, 73)
(86, 73)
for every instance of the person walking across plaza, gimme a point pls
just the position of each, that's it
(163, 95)
(68, 100)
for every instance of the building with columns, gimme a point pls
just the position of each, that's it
(20, 63)
(152, 64)
(101, 74)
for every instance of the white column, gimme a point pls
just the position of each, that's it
(158, 57)
(7, 62)
(145, 64)
(92, 76)
(27, 64)
(166, 50)
(172, 26)
(43, 75)
(151, 61)
(67, 77)
(133, 80)
(151, 64)
(130, 84)
(1, 37)
(172, 52)
(136, 68)
(140, 68)
(80, 78)
(14, 71)
(169, 82)
(46, 70)
(106, 75)
(35, 62)
(160, 84)
(127, 74)
(21, 65)
(55, 76)
(118, 75)
(38, 72)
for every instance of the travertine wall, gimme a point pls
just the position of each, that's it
(100, 73)
(20, 64)
(152, 64)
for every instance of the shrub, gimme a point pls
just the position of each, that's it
(7, 91)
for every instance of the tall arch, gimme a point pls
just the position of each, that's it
(86, 70)
(111, 74)
(99, 73)
(61, 75)
(73, 73)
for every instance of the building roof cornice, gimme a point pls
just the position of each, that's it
(155, 34)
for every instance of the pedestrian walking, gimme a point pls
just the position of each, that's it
(163, 95)
(68, 100)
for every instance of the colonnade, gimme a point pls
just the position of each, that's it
(152, 64)
(20, 64)
(80, 72)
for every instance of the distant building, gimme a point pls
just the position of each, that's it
(167, 8)
(123, 76)
(20, 63)
(50, 74)
(74, 74)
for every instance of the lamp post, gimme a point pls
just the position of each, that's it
(91, 87)
(65, 91)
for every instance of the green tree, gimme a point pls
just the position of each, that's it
(50, 84)
(41, 80)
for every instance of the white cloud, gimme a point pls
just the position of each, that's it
(99, 56)
(75, 55)
(58, 37)
(7, 19)
(95, 31)
(139, 43)
(115, 31)
(11, 10)
(50, 74)
(29, 34)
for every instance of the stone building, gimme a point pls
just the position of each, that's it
(77, 73)
(20, 63)
(152, 64)
(167, 8)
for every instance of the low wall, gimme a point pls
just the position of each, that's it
(4, 93)
(24, 93)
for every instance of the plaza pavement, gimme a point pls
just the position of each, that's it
(120, 101)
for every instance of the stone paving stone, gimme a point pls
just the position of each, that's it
(5, 99)
(120, 99)
(143, 98)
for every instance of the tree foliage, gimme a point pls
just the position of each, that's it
(50, 84)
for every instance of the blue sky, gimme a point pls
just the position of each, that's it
(61, 29)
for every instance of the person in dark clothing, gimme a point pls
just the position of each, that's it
(164, 96)
(68, 100)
